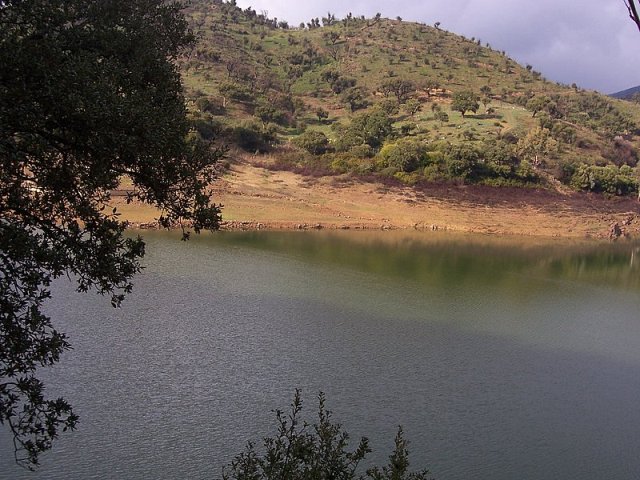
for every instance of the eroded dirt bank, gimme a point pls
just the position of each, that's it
(258, 198)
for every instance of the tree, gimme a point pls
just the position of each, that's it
(355, 98)
(486, 101)
(537, 104)
(537, 143)
(337, 81)
(312, 141)
(329, 20)
(370, 128)
(413, 106)
(485, 90)
(441, 116)
(406, 154)
(633, 12)
(373, 128)
(430, 85)
(462, 161)
(89, 93)
(300, 450)
(269, 113)
(398, 467)
(322, 114)
(331, 40)
(465, 101)
(398, 87)
(389, 106)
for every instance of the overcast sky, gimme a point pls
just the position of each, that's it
(590, 42)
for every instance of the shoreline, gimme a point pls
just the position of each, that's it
(255, 198)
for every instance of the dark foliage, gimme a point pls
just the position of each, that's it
(610, 179)
(313, 142)
(315, 452)
(88, 94)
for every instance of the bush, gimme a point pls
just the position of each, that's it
(207, 128)
(462, 161)
(357, 160)
(389, 172)
(406, 155)
(389, 106)
(564, 171)
(319, 451)
(433, 173)
(407, 178)
(526, 172)
(209, 105)
(362, 151)
(609, 179)
(251, 137)
(268, 113)
(312, 141)
(236, 91)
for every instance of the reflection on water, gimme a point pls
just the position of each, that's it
(503, 358)
(445, 259)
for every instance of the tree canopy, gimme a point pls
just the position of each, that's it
(89, 93)
(465, 101)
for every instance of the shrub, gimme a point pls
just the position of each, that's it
(407, 128)
(389, 171)
(389, 106)
(355, 98)
(609, 179)
(209, 105)
(356, 160)
(406, 155)
(300, 450)
(236, 91)
(312, 141)
(433, 173)
(268, 113)
(251, 137)
(362, 151)
(367, 128)
(407, 178)
(526, 172)
(462, 161)
(207, 129)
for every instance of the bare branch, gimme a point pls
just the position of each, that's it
(633, 12)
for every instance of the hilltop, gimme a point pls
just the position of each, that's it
(398, 103)
(627, 94)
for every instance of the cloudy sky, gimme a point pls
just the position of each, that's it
(590, 42)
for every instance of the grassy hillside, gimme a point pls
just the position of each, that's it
(391, 98)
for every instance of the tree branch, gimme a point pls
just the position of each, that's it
(633, 12)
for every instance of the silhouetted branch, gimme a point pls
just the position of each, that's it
(633, 12)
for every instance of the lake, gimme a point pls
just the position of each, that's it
(502, 358)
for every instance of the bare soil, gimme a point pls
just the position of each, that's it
(255, 197)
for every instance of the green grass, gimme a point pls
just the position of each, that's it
(370, 53)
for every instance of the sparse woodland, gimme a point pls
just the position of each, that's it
(391, 98)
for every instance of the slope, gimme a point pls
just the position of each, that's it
(401, 100)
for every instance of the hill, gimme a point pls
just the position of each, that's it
(626, 94)
(390, 99)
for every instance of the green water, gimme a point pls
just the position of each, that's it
(502, 358)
